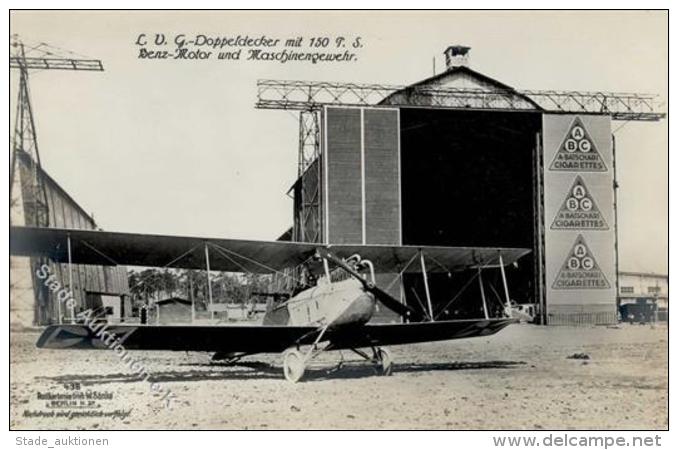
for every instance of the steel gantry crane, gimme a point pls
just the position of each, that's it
(25, 156)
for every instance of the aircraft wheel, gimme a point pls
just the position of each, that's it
(384, 362)
(294, 365)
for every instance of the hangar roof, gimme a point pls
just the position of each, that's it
(25, 159)
(461, 78)
(173, 300)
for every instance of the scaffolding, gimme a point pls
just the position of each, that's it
(307, 193)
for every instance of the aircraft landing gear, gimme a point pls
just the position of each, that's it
(294, 361)
(383, 361)
(294, 365)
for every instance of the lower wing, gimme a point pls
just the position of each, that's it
(411, 333)
(249, 339)
(257, 338)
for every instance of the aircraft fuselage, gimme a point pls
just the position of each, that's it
(335, 304)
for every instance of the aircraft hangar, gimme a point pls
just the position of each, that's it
(31, 302)
(461, 159)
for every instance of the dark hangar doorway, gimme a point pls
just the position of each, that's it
(467, 180)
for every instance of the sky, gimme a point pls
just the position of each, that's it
(177, 147)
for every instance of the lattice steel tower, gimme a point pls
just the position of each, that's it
(25, 141)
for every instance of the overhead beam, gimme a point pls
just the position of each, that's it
(55, 63)
(309, 95)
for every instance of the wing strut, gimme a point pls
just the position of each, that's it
(482, 292)
(209, 279)
(70, 281)
(506, 291)
(428, 293)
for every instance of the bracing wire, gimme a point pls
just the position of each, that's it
(257, 263)
(400, 274)
(462, 290)
(113, 261)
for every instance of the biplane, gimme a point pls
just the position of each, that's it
(324, 312)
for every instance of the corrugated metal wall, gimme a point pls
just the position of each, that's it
(362, 183)
(343, 176)
(362, 176)
(382, 176)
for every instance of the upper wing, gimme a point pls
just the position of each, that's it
(234, 255)
(132, 249)
(394, 258)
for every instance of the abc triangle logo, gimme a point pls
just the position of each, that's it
(580, 269)
(579, 211)
(578, 152)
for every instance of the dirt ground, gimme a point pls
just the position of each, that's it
(520, 378)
